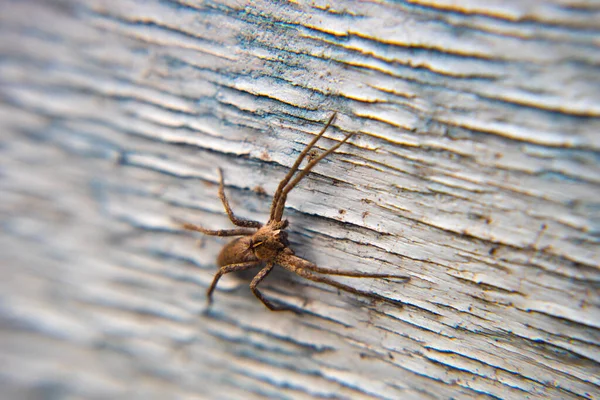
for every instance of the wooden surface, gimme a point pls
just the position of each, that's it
(476, 173)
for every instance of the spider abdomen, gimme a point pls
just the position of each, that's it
(237, 251)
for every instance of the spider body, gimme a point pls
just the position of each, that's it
(237, 251)
(267, 244)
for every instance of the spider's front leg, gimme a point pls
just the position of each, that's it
(351, 274)
(302, 267)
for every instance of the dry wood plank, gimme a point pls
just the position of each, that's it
(475, 172)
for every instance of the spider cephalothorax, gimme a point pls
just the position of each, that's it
(267, 244)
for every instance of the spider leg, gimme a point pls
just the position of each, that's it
(352, 274)
(246, 223)
(297, 266)
(294, 168)
(220, 232)
(283, 197)
(225, 270)
(257, 279)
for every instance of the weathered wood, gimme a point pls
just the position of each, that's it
(476, 173)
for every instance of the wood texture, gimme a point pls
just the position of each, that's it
(476, 172)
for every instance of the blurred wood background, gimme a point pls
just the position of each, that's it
(476, 172)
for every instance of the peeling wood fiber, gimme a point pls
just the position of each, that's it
(476, 171)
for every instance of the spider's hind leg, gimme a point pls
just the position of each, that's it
(225, 270)
(257, 279)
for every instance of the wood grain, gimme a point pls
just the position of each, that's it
(475, 172)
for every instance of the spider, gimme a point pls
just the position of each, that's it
(268, 245)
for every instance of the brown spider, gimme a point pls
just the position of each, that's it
(267, 244)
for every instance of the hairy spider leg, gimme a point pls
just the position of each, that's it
(246, 223)
(253, 286)
(283, 197)
(225, 270)
(351, 274)
(294, 264)
(219, 232)
(294, 167)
